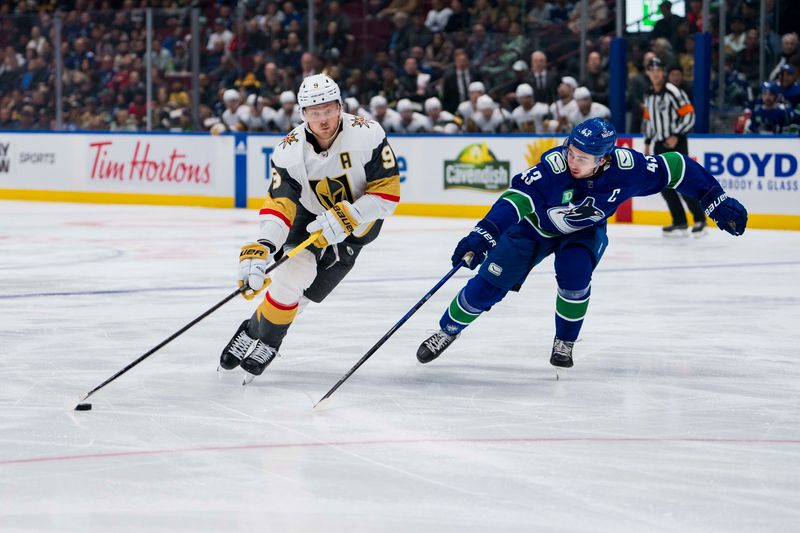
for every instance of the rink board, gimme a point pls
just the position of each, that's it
(454, 176)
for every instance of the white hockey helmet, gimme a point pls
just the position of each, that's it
(231, 95)
(318, 89)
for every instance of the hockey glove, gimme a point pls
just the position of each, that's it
(253, 261)
(479, 241)
(727, 212)
(336, 224)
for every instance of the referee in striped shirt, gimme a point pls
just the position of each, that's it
(668, 116)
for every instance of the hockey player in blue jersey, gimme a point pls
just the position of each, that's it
(560, 207)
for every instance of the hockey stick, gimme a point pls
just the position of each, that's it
(465, 261)
(291, 253)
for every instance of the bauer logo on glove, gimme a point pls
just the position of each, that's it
(336, 223)
(253, 262)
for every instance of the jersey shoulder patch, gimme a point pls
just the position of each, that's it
(624, 159)
(361, 131)
(289, 149)
(553, 160)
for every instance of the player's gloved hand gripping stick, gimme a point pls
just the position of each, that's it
(465, 260)
(243, 288)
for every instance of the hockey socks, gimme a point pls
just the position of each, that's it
(571, 308)
(477, 296)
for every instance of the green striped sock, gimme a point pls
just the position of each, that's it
(571, 310)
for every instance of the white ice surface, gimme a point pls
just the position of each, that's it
(682, 412)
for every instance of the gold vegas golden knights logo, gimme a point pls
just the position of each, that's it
(330, 191)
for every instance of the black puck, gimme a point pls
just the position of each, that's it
(83, 407)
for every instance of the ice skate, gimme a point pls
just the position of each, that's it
(236, 349)
(259, 359)
(699, 229)
(434, 345)
(561, 357)
(675, 230)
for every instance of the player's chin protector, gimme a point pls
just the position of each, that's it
(336, 224)
(479, 241)
(253, 261)
(727, 212)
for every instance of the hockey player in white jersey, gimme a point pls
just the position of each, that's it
(529, 115)
(586, 108)
(410, 120)
(288, 116)
(336, 173)
(490, 118)
(469, 107)
(440, 121)
(388, 118)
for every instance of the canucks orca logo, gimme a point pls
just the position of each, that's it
(571, 218)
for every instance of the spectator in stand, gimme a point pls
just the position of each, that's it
(410, 120)
(663, 51)
(413, 84)
(293, 51)
(790, 89)
(288, 116)
(734, 41)
(220, 34)
(459, 18)
(529, 115)
(469, 107)
(667, 26)
(790, 53)
(489, 118)
(399, 38)
(455, 84)
(333, 12)
(419, 34)
(440, 121)
(379, 109)
(587, 108)
(407, 7)
(564, 107)
(438, 54)
(480, 46)
(747, 61)
(695, 16)
(390, 87)
(598, 17)
(543, 81)
(438, 16)
(123, 122)
(675, 77)
(332, 39)
(597, 80)
(538, 17)
(290, 15)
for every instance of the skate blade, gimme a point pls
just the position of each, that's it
(248, 378)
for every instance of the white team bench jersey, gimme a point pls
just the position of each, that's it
(359, 167)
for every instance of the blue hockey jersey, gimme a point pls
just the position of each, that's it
(547, 197)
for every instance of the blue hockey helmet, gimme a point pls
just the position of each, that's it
(771, 87)
(595, 136)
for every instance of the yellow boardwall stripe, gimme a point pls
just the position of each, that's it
(115, 198)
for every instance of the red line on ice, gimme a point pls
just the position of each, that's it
(498, 441)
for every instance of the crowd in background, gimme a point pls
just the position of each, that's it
(414, 65)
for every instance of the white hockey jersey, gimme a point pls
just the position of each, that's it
(359, 167)
(530, 120)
